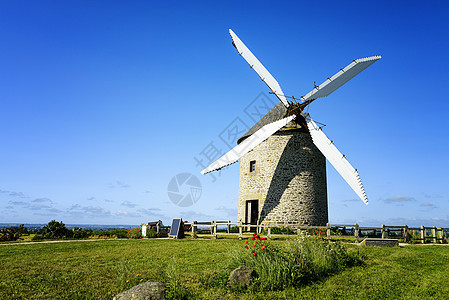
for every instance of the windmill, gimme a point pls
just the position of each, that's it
(282, 167)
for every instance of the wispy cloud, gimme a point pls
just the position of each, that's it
(14, 194)
(119, 184)
(128, 204)
(434, 196)
(428, 205)
(39, 206)
(91, 198)
(48, 212)
(195, 216)
(122, 213)
(96, 210)
(18, 195)
(42, 200)
(230, 213)
(151, 213)
(351, 200)
(399, 199)
(20, 203)
(82, 212)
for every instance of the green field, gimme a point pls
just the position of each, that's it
(102, 269)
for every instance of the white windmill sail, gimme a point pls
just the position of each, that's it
(349, 174)
(255, 64)
(336, 81)
(247, 145)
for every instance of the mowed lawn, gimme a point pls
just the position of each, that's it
(102, 269)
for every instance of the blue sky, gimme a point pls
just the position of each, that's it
(103, 102)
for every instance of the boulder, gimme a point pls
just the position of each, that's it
(143, 291)
(241, 277)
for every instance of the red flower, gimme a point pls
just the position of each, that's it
(272, 249)
(254, 253)
(254, 245)
(341, 247)
(257, 236)
(246, 247)
(263, 247)
(246, 242)
(254, 234)
(253, 238)
(263, 239)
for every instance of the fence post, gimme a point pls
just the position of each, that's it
(405, 233)
(328, 230)
(440, 234)
(240, 230)
(229, 227)
(423, 234)
(158, 228)
(193, 226)
(383, 230)
(215, 229)
(269, 232)
(434, 234)
(356, 232)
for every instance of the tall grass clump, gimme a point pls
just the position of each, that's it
(297, 263)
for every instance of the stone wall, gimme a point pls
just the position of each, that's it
(289, 180)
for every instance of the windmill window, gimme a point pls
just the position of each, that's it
(252, 166)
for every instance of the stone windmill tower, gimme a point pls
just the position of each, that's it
(283, 179)
(283, 156)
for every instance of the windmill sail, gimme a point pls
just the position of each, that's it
(255, 64)
(247, 145)
(336, 81)
(349, 174)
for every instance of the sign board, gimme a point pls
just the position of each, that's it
(176, 229)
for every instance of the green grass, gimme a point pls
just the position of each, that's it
(101, 270)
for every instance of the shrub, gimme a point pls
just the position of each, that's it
(37, 237)
(134, 233)
(152, 233)
(95, 236)
(299, 262)
(119, 233)
(79, 234)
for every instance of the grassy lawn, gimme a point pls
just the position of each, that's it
(103, 269)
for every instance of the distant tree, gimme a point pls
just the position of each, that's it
(25, 230)
(54, 230)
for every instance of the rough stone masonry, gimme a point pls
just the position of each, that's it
(287, 175)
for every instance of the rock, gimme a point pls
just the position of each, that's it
(241, 277)
(143, 291)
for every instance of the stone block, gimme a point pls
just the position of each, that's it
(372, 242)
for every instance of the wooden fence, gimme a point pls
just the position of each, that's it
(420, 234)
